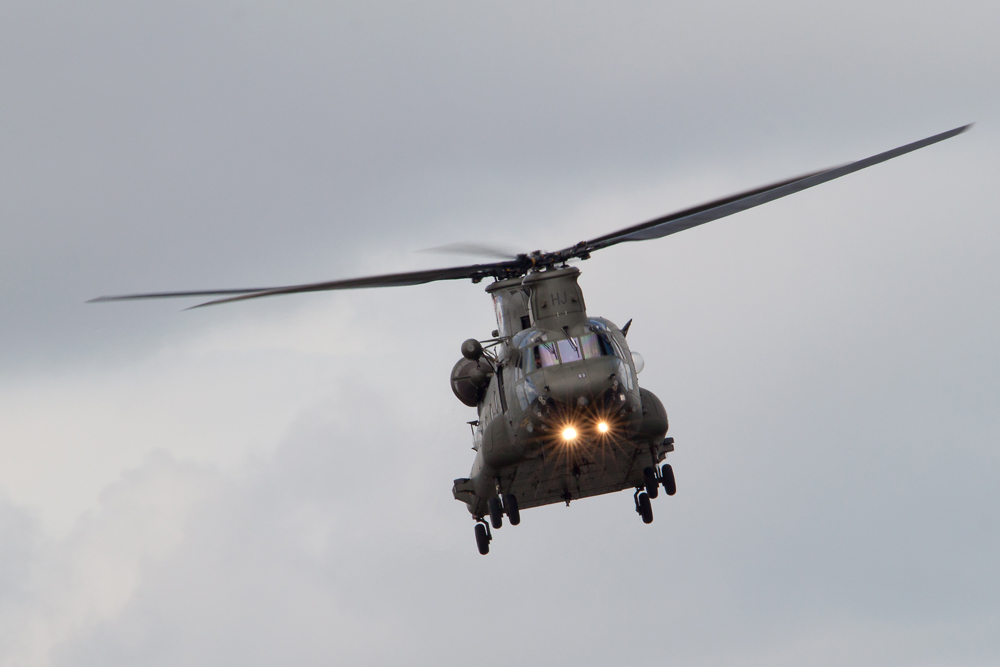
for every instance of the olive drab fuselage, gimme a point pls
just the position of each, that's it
(561, 414)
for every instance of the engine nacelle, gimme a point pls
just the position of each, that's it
(654, 423)
(469, 380)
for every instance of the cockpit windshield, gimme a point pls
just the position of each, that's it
(566, 351)
(546, 355)
(569, 350)
(590, 346)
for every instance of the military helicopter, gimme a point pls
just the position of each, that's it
(561, 415)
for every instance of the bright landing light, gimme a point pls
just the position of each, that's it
(569, 433)
(602, 427)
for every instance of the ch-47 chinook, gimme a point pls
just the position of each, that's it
(561, 415)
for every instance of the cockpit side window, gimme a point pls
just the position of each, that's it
(525, 338)
(612, 346)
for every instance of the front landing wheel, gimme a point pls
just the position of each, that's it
(482, 539)
(667, 478)
(650, 481)
(645, 508)
(510, 507)
(496, 512)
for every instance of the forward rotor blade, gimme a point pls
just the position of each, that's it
(720, 208)
(475, 271)
(519, 265)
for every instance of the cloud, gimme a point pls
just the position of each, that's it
(317, 554)
(271, 481)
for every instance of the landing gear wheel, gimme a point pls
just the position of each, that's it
(496, 512)
(510, 507)
(482, 539)
(645, 508)
(650, 481)
(667, 479)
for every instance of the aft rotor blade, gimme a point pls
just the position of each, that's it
(720, 208)
(173, 295)
(474, 249)
(474, 271)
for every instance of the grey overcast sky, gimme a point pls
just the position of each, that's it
(269, 482)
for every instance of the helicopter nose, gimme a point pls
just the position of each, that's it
(584, 383)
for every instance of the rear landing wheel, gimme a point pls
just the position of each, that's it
(482, 539)
(651, 483)
(510, 507)
(667, 479)
(645, 508)
(496, 512)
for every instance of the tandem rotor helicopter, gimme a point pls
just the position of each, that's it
(561, 415)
